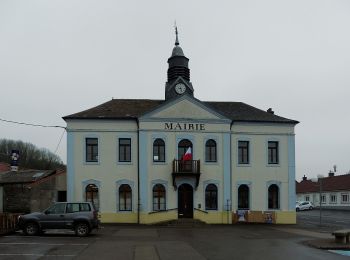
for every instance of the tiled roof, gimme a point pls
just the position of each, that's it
(24, 176)
(134, 108)
(333, 183)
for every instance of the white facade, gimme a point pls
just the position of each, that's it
(142, 173)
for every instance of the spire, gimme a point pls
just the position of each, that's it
(178, 71)
(177, 51)
(177, 38)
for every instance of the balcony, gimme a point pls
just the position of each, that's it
(189, 168)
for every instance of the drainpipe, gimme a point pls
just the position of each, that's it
(231, 190)
(138, 171)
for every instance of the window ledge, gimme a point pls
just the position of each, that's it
(273, 165)
(125, 163)
(91, 163)
(211, 163)
(244, 165)
(159, 163)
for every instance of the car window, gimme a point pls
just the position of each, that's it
(72, 207)
(84, 207)
(57, 209)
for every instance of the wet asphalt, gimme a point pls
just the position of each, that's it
(243, 241)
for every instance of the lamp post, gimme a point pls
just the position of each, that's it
(319, 180)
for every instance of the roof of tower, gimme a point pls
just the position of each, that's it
(177, 51)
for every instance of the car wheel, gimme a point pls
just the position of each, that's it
(31, 229)
(297, 209)
(310, 208)
(82, 229)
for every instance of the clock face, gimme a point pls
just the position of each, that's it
(180, 88)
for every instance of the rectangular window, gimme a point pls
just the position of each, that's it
(61, 196)
(345, 198)
(307, 198)
(91, 149)
(124, 150)
(333, 198)
(273, 152)
(323, 198)
(243, 152)
(159, 150)
(210, 151)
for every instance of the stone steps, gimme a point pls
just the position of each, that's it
(182, 222)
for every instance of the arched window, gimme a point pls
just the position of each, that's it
(125, 198)
(273, 197)
(211, 197)
(243, 197)
(158, 197)
(183, 147)
(91, 195)
(210, 151)
(159, 150)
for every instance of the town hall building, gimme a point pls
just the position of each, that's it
(147, 161)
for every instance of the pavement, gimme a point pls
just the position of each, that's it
(218, 242)
(246, 241)
(320, 240)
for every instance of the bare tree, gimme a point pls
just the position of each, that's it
(31, 157)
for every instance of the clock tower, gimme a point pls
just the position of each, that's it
(178, 73)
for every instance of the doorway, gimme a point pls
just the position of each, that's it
(185, 201)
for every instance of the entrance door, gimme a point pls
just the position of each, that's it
(185, 201)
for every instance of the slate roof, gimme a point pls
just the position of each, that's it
(333, 183)
(134, 108)
(24, 176)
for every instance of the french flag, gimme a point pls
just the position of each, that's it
(188, 155)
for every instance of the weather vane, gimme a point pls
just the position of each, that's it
(177, 39)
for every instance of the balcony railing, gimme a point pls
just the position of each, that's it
(188, 168)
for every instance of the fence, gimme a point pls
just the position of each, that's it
(8, 222)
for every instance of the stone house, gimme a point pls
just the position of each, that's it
(31, 190)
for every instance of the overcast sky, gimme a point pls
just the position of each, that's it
(62, 57)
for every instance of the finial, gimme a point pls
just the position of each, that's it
(177, 39)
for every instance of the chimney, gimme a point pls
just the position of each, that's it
(331, 174)
(270, 111)
(304, 178)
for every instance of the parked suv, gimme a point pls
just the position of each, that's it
(82, 217)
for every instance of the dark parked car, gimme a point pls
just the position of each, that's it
(81, 217)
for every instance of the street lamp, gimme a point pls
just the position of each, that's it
(319, 180)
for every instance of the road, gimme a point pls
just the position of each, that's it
(330, 220)
(149, 242)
